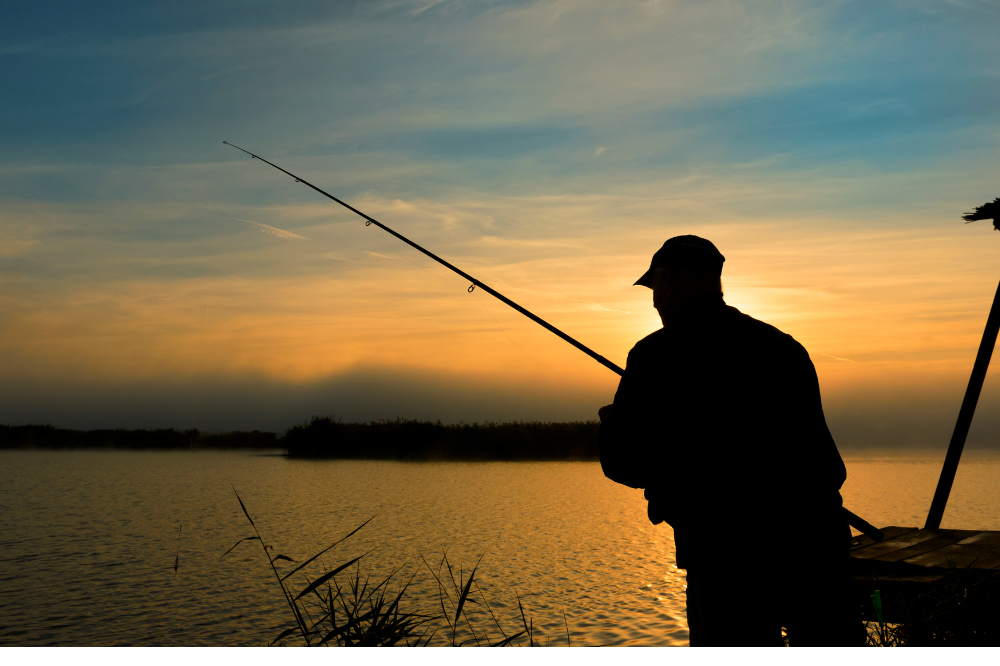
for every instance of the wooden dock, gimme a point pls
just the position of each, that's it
(925, 553)
(917, 568)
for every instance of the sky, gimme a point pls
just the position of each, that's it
(151, 276)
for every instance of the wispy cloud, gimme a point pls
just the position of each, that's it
(600, 308)
(274, 231)
(837, 358)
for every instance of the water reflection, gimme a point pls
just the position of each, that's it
(91, 538)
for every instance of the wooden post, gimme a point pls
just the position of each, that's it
(965, 416)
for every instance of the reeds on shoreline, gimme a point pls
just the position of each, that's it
(344, 607)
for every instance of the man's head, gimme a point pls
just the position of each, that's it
(685, 267)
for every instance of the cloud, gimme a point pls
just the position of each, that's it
(600, 308)
(836, 358)
(274, 231)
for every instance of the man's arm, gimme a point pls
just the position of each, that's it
(828, 462)
(623, 446)
(804, 470)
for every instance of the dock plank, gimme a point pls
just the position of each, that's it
(946, 538)
(981, 549)
(906, 540)
(989, 561)
(892, 532)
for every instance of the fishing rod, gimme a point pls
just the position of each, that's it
(475, 283)
(853, 519)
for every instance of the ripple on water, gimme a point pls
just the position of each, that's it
(92, 538)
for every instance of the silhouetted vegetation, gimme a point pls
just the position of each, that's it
(420, 440)
(326, 437)
(963, 609)
(50, 437)
(343, 607)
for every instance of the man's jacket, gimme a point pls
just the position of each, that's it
(718, 417)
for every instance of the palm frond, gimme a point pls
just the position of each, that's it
(988, 211)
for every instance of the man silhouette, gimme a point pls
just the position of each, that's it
(718, 417)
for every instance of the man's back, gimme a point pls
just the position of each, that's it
(718, 417)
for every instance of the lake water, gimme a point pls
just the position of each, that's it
(90, 538)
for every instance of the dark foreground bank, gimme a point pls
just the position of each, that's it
(325, 437)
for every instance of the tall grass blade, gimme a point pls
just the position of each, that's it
(364, 588)
(291, 604)
(441, 587)
(451, 573)
(177, 557)
(475, 636)
(253, 538)
(510, 638)
(465, 592)
(327, 576)
(502, 632)
(395, 602)
(245, 512)
(285, 634)
(528, 628)
(521, 608)
(353, 532)
(566, 624)
(444, 613)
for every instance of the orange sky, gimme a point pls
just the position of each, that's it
(547, 148)
(884, 314)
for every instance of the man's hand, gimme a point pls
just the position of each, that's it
(603, 412)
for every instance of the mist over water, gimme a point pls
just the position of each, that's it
(92, 536)
(919, 415)
(254, 402)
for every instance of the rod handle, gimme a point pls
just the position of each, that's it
(863, 526)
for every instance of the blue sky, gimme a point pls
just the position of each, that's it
(827, 147)
(498, 81)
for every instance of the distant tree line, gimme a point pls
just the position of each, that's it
(50, 437)
(422, 440)
(326, 437)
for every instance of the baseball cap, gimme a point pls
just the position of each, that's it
(684, 251)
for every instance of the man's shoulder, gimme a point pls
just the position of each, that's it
(753, 330)
(730, 323)
(653, 343)
(655, 338)
(739, 319)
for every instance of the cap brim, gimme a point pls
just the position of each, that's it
(646, 280)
